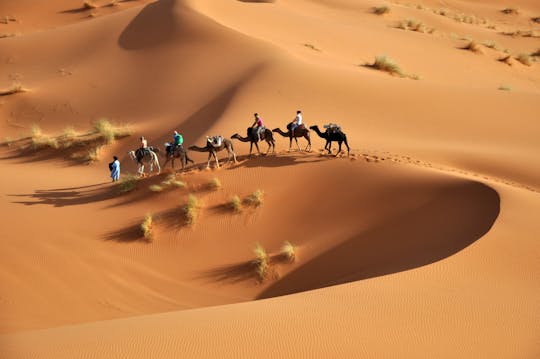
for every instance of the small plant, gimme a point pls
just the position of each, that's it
(147, 228)
(505, 88)
(288, 251)
(261, 262)
(236, 203)
(536, 19)
(506, 59)
(8, 141)
(190, 209)
(171, 181)
(155, 188)
(128, 183)
(109, 132)
(525, 59)
(15, 88)
(510, 11)
(255, 199)
(88, 4)
(312, 47)
(414, 25)
(214, 184)
(491, 44)
(474, 47)
(536, 53)
(93, 154)
(383, 63)
(381, 10)
(35, 131)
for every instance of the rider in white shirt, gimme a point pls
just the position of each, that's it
(296, 122)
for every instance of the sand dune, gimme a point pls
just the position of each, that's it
(421, 243)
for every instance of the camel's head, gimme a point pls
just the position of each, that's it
(132, 155)
(313, 127)
(235, 135)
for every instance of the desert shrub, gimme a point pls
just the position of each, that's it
(214, 184)
(288, 251)
(383, 63)
(505, 88)
(525, 59)
(155, 188)
(128, 183)
(236, 203)
(255, 199)
(510, 11)
(147, 228)
(15, 88)
(109, 132)
(88, 4)
(190, 209)
(261, 262)
(381, 10)
(474, 47)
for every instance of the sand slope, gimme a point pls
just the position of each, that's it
(422, 243)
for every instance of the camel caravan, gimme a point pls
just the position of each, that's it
(147, 156)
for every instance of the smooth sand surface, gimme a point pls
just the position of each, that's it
(422, 243)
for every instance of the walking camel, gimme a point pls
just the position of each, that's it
(179, 152)
(148, 157)
(300, 131)
(213, 150)
(252, 138)
(336, 136)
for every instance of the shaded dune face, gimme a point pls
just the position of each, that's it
(457, 216)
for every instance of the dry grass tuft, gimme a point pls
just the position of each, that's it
(8, 141)
(510, 11)
(147, 228)
(506, 59)
(505, 88)
(14, 89)
(109, 132)
(312, 47)
(191, 209)
(381, 10)
(383, 63)
(288, 251)
(474, 47)
(536, 19)
(414, 25)
(261, 262)
(93, 154)
(525, 59)
(128, 183)
(236, 204)
(171, 181)
(255, 199)
(491, 45)
(38, 140)
(88, 4)
(155, 188)
(214, 184)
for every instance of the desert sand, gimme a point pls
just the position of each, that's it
(422, 243)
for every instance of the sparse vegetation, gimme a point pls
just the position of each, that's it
(38, 140)
(288, 251)
(93, 154)
(525, 59)
(171, 181)
(255, 199)
(521, 33)
(505, 88)
(14, 89)
(236, 203)
(491, 45)
(536, 19)
(8, 141)
(381, 10)
(88, 4)
(109, 132)
(128, 183)
(414, 25)
(214, 184)
(510, 11)
(474, 47)
(383, 63)
(7, 35)
(261, 262)
(312, 47)
(506, 59)
(147, 228)
(190, 209)
(155, 188)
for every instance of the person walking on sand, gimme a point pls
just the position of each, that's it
(296, 122)
(114, 166)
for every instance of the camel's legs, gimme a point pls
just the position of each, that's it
(215, 156)
(258, 150)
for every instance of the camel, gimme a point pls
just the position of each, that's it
(149, 157)
(300, 131)
(252, 138)
(337, 136)
(213, 150)
(179, 152)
